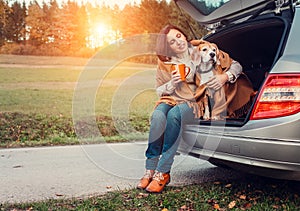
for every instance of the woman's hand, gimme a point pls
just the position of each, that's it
(175, 78)
(217, 81)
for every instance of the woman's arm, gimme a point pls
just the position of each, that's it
(166, 81)
(230, 76)
(165, 89)
(234, 71)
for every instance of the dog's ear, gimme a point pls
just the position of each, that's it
(216, 47)
(198, 42)
(196, 56)
(217, 53)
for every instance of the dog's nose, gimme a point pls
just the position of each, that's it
(212, 55)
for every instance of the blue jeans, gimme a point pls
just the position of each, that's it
(165, 134)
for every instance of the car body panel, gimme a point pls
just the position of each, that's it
(290, 59)
(267, 144)
(268, 147)
(231, 10)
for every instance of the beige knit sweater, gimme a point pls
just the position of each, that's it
(235, 97)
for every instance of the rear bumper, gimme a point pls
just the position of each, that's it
(250, 148)
(261, 167)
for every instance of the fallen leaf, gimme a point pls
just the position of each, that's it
(59, 194)
(184, 207)
(277, 199)
(247, 205)
(217, 183)
(108, 187)
(254, 199)
(212, 201)
(164, 209)
(243, 197)
(274, 186)
(231, 204)
(228, 185)
(142, 195)
(216, 206)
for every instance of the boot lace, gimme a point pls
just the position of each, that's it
(158, 176)
(148, 174)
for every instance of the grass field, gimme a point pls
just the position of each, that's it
(46, 86)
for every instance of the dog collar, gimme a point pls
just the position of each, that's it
(206, 71)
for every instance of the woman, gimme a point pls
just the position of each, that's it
(176, 107)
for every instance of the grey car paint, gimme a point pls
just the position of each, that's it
(268, 147)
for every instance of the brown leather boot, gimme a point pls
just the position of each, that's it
(146, 179)
(159, 181)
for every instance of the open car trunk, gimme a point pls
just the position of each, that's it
(257, 45)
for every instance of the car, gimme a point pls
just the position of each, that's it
(264, 36)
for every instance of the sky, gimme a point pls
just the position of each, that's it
(120, 3)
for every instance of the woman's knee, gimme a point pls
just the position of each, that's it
(158, 117)
(181, 114)
(174, 115)
(160, 113)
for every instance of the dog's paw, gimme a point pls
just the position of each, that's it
(216, 118)
(206, 115)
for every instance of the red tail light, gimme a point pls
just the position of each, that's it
(280, 96)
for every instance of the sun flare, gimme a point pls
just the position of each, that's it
(102, 34)
(101, 28)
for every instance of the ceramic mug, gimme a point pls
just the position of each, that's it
(182, 69)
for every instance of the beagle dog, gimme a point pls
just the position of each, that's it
(205, 57)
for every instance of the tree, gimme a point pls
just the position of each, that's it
(16, 23)
(54, 21)
(116, 14)
(153, 15)
(129, 21)
(81, 21)
(36, 25)
(64, 29)
(75, 27)
(150, 16)
(184, 21)
(4, 11)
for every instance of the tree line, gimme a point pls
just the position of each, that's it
(65, 30)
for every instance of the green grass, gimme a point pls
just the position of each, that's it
(28, 74)
(31, 87)
(252, 193)
(39, 101)
(50, 90)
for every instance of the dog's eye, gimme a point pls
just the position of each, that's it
(214, 50)
(204, 49)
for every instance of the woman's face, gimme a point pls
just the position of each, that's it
(177, 41)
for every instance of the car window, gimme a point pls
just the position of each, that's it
(207, 6)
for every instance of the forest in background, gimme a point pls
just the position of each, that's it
(70, 29)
